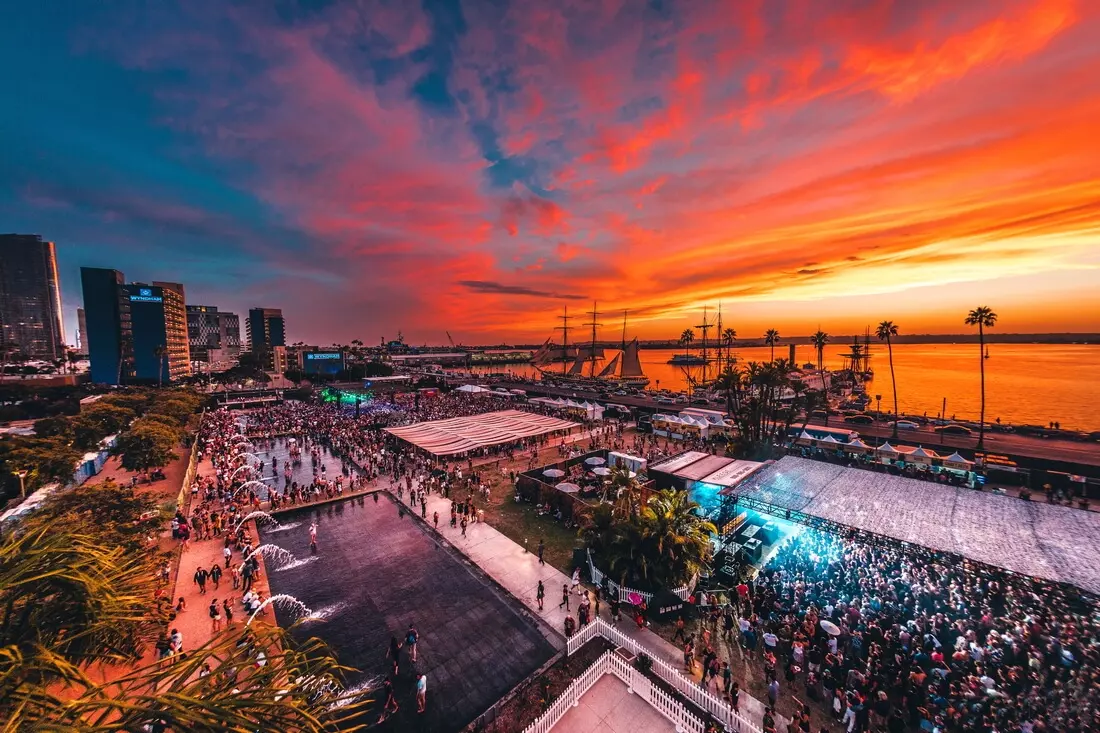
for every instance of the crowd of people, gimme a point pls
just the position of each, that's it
(895, 641)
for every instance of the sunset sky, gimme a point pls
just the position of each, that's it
(475, 166)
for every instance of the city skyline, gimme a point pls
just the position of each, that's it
(452, 168)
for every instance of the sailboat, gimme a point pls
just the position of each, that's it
(624, 369)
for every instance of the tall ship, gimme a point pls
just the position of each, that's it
(624, 369)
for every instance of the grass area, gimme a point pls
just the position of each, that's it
(519, 523)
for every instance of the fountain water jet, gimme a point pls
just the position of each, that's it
(297, 563)
(280, 554)
(282, 600)
(259, 516)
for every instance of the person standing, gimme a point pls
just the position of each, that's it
(216, 574)
(435, 519)
(313, 537)
(200, 578)
(246, 577)
(411, 637)
(227, 607)
(540, 594)
(227, 553)
(421, 693)
(564, 597)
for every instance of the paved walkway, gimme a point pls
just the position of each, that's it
(608, 707)
(519, 572)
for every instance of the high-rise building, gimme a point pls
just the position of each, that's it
(175, 326)
(136, 332)
(30, 298)
(267, 337)
(215, 335)
(110, 344)
(81, 332)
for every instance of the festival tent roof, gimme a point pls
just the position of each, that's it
(956, 458)
(462, 434)
(674, 464)
(471, 388)
(1031, 538)
(887, 448)
(704, 467)
(828, 439)
(856, 443)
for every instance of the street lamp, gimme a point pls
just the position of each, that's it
(22, 483)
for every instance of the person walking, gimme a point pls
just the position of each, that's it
(391, 699)
(435, 519)
(227, 607)
(564, 597)
(394, 654)
(542, 548)
(246, 577)
(216, 574)
(540, 594)
(236, 573)
(411, 637)
(215, 617)
(227, 553)
(463, 525)
(421, 692)
(200, 578)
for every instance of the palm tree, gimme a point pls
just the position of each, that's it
(729, 381)
(983, 317)
(728, 337)
(819, 339)
(771, 338)
(160, 353)
(885, 331)
(686, 339)
(676, 539)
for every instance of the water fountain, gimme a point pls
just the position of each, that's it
(297, 563)
(280, 554)
(262, 517)
(283, 527)
(258, 482)
(233, 475)
(323, 614)
(282, 600)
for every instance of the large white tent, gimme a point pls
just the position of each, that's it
(1040, 540)
(464, 434)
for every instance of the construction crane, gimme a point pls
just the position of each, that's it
(451, 340)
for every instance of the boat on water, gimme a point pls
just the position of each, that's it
(624, 369)
(687, 360)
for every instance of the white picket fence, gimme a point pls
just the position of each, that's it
(622, 591)
(637, 684)
(704, 699)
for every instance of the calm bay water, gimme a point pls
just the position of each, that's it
(1025, 383)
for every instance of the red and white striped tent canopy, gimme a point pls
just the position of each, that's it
(464, 434)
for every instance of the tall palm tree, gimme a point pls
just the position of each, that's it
(729, 381)
(983, 317)
(686, 339)
(819, 339)
(676, 539)
(885, 331)
(728, 337)
(771, 338)
(160, 353)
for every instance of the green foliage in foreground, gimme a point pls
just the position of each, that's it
(663, 545)
(78, 595)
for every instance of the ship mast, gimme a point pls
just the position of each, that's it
(721, 339)
(564, 328)
(624, 330)
(594, 313)
(704, 328)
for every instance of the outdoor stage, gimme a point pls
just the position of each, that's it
(464, 434)
(1054, 543)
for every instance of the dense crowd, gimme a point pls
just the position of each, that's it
(922, 642)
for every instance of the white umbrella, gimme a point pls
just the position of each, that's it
(553, 473)
(595, 461)
(830, 628)
(602, 471)
(568, 488)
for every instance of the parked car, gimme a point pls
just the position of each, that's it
(954, 430)
(860, 419)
